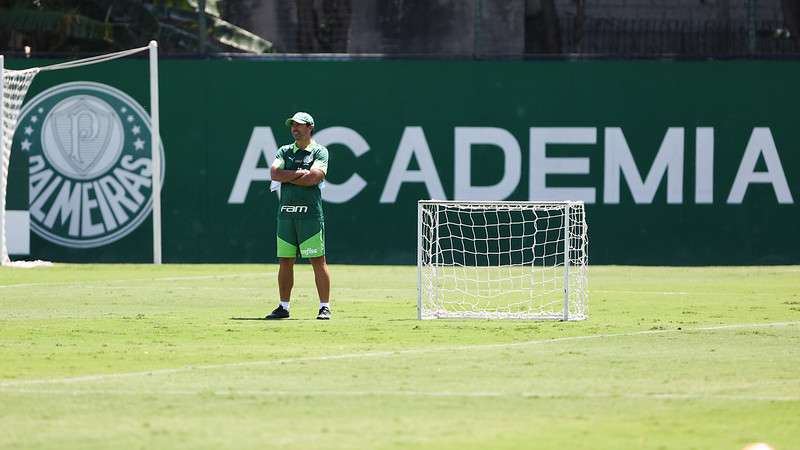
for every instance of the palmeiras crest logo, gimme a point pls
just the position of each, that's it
(89, 163)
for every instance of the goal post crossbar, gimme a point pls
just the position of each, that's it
(502, 260)
(500, 203)
(11, 104)
(94, 59)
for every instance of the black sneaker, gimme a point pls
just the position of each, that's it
(324, 313)
(279, 313)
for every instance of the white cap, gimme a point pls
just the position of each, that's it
(300, 117)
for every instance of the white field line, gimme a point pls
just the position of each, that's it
(129, 280)
(614, 291)
(403, 393)
(175, 288)
(346, 356)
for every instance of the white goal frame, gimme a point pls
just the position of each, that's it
(502, 260)
(8, 125)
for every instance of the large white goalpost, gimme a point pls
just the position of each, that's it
(502, 260)
(14, 85)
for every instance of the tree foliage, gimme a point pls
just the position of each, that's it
(108, 25)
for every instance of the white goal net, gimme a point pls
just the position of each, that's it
(14, 85)
(502, 260)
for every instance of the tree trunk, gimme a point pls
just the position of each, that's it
(580, 20)
(336, 28)
(542, 33)
(323, 26)
(307, 25)
(791, 17)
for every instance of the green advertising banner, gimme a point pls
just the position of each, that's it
(678, 162)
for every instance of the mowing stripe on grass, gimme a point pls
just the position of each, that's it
(110, 376)
(185, 278)
(403, 393)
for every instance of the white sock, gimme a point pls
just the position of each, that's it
(285, 304)
(324, 303)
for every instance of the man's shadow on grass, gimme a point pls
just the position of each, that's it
(270, 320)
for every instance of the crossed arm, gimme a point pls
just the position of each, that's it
(300, 177)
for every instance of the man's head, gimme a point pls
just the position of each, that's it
(301, 124)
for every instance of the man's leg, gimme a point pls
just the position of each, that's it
(312, 246)
(322, 278)
(285, 283)
(287, 250)
(286, 278)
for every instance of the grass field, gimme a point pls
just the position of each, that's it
(138, 356)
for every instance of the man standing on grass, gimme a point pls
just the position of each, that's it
(298, 170)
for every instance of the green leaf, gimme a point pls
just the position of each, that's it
(219, 30)
(65, 23)
(239, 38)
(212, 7)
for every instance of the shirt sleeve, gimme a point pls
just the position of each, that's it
(278, 162)
(321, 160)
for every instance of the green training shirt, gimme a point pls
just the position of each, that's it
(301, 202)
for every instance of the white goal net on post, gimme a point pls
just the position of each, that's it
(502, 260)
(14, 84)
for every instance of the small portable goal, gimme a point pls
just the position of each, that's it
(502, 260)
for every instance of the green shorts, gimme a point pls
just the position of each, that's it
(307, 234)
